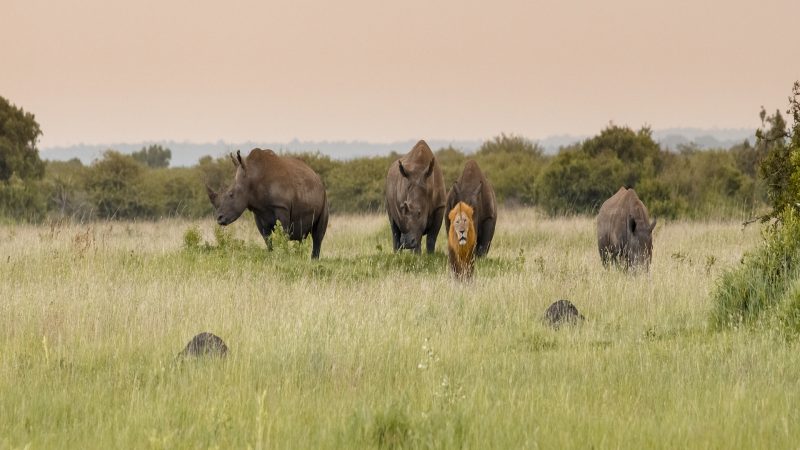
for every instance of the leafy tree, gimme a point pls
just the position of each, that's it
(18, 134)
(512, 164)
(509, 144)
(64, 186)
(582, 177)
(154, 156)
(451, 160)
(20, 165)
(114, 186)
(780, 166)
(575, 182)
(359, 185)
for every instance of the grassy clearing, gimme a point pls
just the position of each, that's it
(369, 349)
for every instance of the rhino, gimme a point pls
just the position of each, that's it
(475, 190)
(275, 188)
(415, 199)
(624, 231)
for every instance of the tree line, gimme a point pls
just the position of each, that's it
(688, 183)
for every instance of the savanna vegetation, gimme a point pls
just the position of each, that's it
(369, 349)
(689, 183)
(365, 348)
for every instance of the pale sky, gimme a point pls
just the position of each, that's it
(106, 71)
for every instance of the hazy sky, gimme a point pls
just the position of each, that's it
(104, 71)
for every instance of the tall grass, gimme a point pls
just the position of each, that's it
(368, 349)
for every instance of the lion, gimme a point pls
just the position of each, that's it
(461, 241)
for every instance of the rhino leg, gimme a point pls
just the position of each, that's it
(485, 235)
(265, 228)
(395, 235)
(318, 232)
(433, 231)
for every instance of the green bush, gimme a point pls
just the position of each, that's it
(512, 164)
(358, 185)
(761, 283)
(22, 200)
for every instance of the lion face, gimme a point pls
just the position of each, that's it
(461, 228)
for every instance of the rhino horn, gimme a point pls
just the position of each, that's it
(211, 195)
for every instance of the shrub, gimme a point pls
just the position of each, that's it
(192, 238)
(763, 279)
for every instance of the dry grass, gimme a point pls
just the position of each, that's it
(369, 349)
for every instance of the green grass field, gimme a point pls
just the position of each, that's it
(365, 348)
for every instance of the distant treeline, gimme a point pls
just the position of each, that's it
(688, 183)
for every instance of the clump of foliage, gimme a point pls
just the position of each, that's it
(280, 242)
(580, 178)
(512, 164)
(154, 156)
(761, 283)
(780, 167)
(20, 165)
(690, 183)
(192, 238)
(768, 278)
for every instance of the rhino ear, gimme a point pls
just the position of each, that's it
(402, 169)
(631, 224)
(241, 163)
(235, 163)
(456, 189)
(653, 225)
(430, 168)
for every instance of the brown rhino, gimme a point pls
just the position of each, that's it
(475, 190)
(415, 199)
(624, 231)
(275, 188)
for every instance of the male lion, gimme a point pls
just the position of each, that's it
(461, 241)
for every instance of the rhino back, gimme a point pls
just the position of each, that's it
(285, 182)
(612, 219)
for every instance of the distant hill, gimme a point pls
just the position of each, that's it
(188, 153)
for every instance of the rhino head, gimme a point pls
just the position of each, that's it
(415, 205)
(640, 242)
(229, 205)
(472, 197)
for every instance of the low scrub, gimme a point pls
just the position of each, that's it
(765, 281)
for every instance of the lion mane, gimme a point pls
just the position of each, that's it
(461, 241)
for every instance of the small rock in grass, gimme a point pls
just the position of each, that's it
(560, 312)
(205, 344)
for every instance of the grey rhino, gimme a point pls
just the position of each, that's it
(415, 199)
(475, 190)
(275, 188)
(624, 231)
